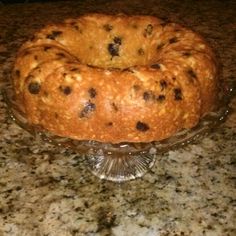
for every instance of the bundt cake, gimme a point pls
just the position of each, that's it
(115, 78)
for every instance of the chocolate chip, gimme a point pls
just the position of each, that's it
(186, 54)
(141, 51)
(161, 98)
(146, 96)
(155, 66)
(142, 126)
(114, 106)
(53, 35)
(136, 87)
(35, 57)
(34, 87)
(76, 27)
(117, 40)
(108, 27)
(18, 188)
(163, 84)
(149, 95)
(109, 123)
(92, 93)
(65, 89)
(113, 49)
(88, 108)
(192, 73)
(173, 40)
(178, 94)
(148, 30)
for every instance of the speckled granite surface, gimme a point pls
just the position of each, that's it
(48, 191)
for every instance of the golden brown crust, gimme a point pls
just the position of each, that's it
(115, 78)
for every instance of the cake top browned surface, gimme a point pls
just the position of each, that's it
(125, 60)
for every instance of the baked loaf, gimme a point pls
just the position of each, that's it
(115, 78)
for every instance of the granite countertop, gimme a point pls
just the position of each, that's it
(46, 190)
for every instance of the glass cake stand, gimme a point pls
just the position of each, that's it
(123, 161)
